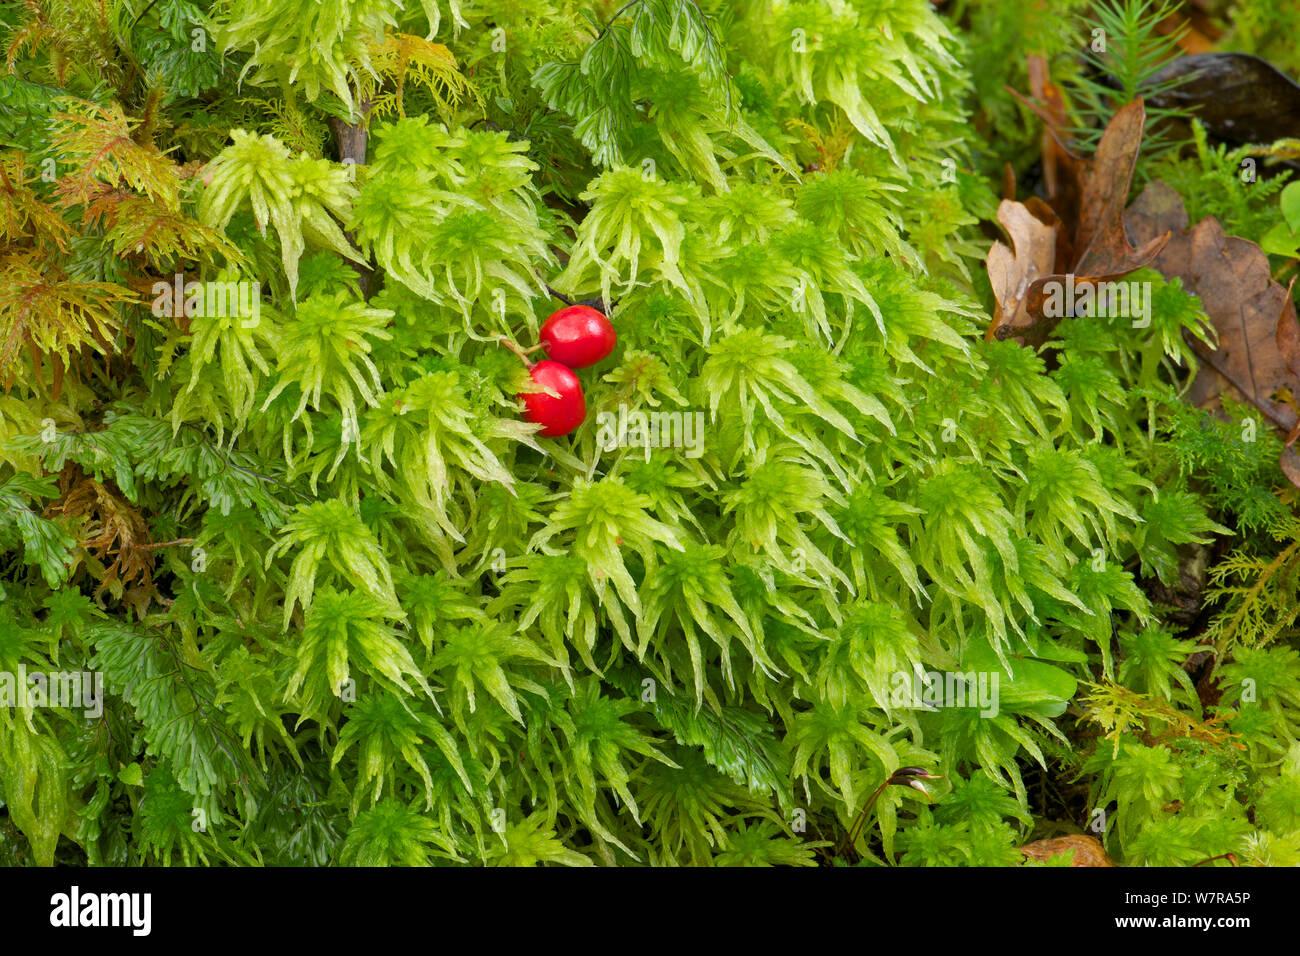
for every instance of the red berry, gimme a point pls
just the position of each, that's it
(557, 416)
(578, 336)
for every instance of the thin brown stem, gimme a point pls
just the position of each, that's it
(519, 350)
(165, 544)
(1230, 857)
(859, 822)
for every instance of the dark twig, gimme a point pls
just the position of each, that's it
(140, 16)
(559, 295)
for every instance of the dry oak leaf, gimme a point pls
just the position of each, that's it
(1258, 354)
(1063, 167)
(1012, 270)
(1088, 851)
(1101, 244)
(1101, 247)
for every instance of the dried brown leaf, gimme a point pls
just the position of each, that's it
(1088, 851)
(1089, 242)
(1062, 165)
(1013, 270)
(1258, 355)
(1101, 244)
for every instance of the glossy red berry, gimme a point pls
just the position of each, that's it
(557, 416)
(578, 336)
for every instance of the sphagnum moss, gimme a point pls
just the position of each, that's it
(349, 606)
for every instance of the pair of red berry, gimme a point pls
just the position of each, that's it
(574, 337)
